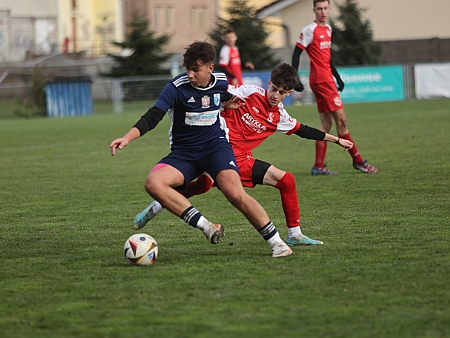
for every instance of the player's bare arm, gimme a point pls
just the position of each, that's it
(346, 144)
(122, 142)
(315, 134)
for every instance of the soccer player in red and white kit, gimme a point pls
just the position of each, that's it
(230, 60)
(315, 38)
(248, 126)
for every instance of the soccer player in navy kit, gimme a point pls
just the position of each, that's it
(198, 144)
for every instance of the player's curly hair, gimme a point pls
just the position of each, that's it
(284, 76)
(198, 52)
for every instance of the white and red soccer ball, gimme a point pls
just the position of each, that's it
(141, 249)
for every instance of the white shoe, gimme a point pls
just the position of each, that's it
(214, 232)
(281, 249)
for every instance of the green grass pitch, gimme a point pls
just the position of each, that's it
(384, 270)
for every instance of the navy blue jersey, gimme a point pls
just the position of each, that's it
(194, 112)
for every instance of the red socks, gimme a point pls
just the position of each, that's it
(198, 187)
(289, 200)
(354, 153)
(321, 150)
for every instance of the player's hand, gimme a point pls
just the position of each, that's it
(117, 143)
(250, 65)
(299, 87)
(346, 144)
(340, 84)
(234, 103)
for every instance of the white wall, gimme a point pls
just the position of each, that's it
(408, 19)
(34, 8)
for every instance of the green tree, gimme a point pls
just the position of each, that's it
(352, 37)
(147, 56)
(252, 35)
(35, 104)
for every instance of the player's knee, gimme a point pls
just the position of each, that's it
(155, 187)
(150, 187)
(236, 197)
(286, 182)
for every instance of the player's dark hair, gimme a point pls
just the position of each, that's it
(228, 31)
(284, 76)
(316, 1)
(198, 52)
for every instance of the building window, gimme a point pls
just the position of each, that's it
(198, 16)
(169, 18)
(158, 18)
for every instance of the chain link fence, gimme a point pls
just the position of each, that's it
(137, 94)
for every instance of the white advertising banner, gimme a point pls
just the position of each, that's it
(432, 80)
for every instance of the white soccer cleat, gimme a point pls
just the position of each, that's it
(281, 249)
(214, 232)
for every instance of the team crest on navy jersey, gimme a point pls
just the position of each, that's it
(216, 99)
(206, 101)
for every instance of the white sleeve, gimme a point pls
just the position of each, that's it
(224, 56)
(287, 122)
(246, 90)
(306, 35)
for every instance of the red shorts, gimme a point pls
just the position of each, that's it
(245, 165)
(327, 97)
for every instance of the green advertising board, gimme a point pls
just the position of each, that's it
(363, 84)
(370, 84)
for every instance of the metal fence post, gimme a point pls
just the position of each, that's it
(117, 95)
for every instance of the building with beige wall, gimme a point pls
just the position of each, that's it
(408, 30)
(49, 26)
(390, 20)
(185, 21)
(90, 25)
(44, 27)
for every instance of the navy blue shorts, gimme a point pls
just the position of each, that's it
(212, 160)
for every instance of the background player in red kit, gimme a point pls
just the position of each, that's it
(315, 38)
(248, 126)
(230, 60)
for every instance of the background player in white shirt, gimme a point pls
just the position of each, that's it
(315, 38)
(248, 126)
(198, 144)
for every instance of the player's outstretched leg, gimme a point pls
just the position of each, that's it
(146, 215)
(302, 240)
